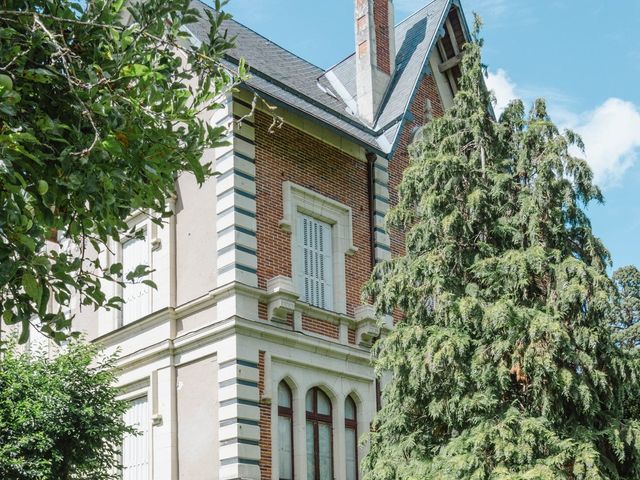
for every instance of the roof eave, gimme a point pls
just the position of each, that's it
(282, 103)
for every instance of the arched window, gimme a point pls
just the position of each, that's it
(285, 432)
(351, 438)
(319, 436)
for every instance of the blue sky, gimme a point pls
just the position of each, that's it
(583, 56)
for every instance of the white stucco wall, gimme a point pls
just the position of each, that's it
(197, 402)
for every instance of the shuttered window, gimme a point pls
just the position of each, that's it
(137, 301)
(314, 262)
(135, 448)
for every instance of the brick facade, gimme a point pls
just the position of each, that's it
(321, 327)
(290, 154)
(381, 20)
(293, 155)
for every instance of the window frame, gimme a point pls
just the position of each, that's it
(287, 412)
(352, 424)
(130, 399)
(327, 301)
(316, 418)
(136, 223)
(298, 199)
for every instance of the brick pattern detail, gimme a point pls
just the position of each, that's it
(352, 336)
(262, 311)
(321, 327)
(265, 424)
(290, 154)
(381, 20)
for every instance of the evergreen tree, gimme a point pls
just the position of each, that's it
(504, 365)
(626, 315)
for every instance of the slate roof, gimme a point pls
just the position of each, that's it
(328, 96)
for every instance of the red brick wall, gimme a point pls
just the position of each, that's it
(265, 424)
(352, 336)
(262, 311)
(321, 327)
(290, 154)
(381, 20)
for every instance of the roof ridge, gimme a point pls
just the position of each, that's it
(267, 39)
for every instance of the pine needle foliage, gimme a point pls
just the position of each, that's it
(626, 314)
(505, 365)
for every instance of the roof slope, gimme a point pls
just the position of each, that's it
(329, 96)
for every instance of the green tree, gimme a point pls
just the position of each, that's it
(59, 418)
(504, 365)
(626, 315)
(100, 109)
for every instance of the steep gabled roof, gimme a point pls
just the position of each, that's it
(329, 97)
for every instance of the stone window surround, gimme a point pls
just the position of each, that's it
(337, 393)
(298, 199)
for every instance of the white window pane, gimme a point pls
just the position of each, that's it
(135, 448)
(324, 404)
(136, 296)
(309, 400)
(349, 409)
(326, 460)
(285, 448)
(311, 464)
(284, 395)
(350, 445)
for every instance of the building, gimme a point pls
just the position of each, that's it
(251, 360)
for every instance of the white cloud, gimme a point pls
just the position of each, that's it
(503, 88)
(611, 132)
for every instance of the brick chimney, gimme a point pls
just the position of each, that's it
(375, 53)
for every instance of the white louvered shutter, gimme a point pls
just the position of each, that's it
(316, 263)
(136, 296)
(135, 448)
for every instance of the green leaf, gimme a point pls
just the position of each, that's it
(43, 187)
(135, 70)
(32, 287)
(24, 332)
(150, 283)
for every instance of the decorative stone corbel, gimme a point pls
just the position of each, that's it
(367, 328)
(282, 298)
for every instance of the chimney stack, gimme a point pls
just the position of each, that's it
(375, 53)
